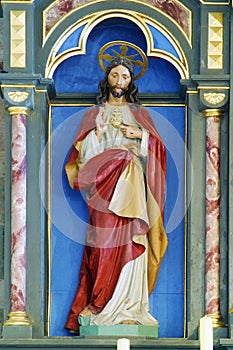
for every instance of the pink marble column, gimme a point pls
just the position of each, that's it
(212, 296)
(18, 314)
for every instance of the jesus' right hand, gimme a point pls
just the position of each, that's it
(101, 127)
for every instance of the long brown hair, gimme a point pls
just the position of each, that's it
(103, 88)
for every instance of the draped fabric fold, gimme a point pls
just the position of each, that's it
(125, 202)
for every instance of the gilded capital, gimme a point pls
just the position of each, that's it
(211, 113)
(18, 110)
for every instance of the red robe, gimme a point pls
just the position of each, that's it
(109, 244)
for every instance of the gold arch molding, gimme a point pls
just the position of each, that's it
(90, 21)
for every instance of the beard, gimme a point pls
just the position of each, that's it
(117, 94)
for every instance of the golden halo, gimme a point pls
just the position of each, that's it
(120, 49)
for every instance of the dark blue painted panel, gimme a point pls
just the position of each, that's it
(82, 73)
(70, 215)
(72, 41)
(79, 74)
(161, 42)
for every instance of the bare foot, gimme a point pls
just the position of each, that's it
(85, 312)
(129, 322)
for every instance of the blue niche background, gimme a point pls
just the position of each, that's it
(82, 73)
(69, 211)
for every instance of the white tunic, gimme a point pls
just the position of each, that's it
(130, 298)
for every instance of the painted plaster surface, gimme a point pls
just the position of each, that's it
(171, 8)
(60, 8)
(212, 215)
(2, 202)
(1, 43)
(18, 268)
(1, 294)
(174, 10)
(2, 130)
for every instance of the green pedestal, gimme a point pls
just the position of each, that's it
(17, 332)
(17, 326)
(120, 330)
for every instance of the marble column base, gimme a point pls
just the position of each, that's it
(17, 326)
(216, 320)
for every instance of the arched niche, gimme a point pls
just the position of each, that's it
(80, 49)
(173, 21)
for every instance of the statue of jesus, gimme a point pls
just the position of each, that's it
(119, 160)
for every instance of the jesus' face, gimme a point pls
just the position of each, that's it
(119, 79)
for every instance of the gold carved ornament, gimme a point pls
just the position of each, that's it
(214, 98)
(18, 96)
(215, 40)
(18, 39)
